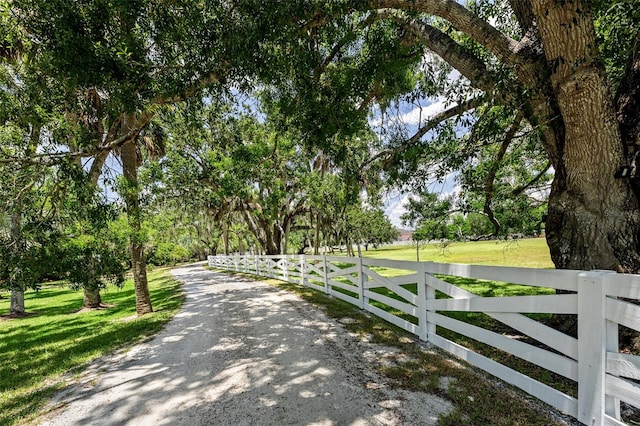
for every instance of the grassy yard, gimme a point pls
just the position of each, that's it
(528, 253)
(59, 338)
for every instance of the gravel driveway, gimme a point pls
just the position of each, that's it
(242, 353)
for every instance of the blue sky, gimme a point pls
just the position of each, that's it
(409, 116)
(394, 201)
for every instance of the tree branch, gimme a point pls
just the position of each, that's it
(96, 166)
(523, 13)
(429, 125)
(500, 45)
(190, 91)
(53, 158)
(519, 190)
(470, 66)
(491, 177)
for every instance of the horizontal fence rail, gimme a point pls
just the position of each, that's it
(420, 298)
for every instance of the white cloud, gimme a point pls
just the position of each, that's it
(423, 113)
(394, 207)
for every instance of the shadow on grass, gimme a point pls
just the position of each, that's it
(60, 339)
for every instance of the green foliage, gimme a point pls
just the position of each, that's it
(134, 51)
(23, 262)
(92, 261)
(168, 254)
(322, 72)
(332, 77)
(617, 24)
(430, 230)
(369, 227)
(251, 177)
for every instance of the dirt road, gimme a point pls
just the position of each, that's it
(242, 353)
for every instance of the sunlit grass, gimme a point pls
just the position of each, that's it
(57, 338)
(527, 253)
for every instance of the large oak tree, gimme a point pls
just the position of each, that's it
(558, 81)
(552, 64)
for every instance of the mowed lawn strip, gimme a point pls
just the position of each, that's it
(58, 337)
(524, 253)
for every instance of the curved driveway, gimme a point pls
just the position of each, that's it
(242, 353)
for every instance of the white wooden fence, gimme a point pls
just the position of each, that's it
(604, 376)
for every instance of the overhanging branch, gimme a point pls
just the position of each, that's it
(519, 190)
(503, 47)
(489, 186)
(430, 125)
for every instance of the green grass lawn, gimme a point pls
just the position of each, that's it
(57, 338)
(528, 253)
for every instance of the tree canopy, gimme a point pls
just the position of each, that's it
(530, 76)
(520, 98)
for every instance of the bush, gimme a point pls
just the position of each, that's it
(168, 254)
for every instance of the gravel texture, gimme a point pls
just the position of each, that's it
(242, 353)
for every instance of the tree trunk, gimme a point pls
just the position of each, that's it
(143, 300)
(240, 244)
(316, 239)
(262, 230)
(129, 156)
(92, 298)
(225, 238)
(17, 302)
(593, 217)
(16, 306)
(272, 247)
(285, 238)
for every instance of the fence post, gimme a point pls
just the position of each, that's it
(360, 282)
(431, 295)
(612, 405)
(592, 346)
(273, 267)
(302, 277)
(423, 326)
(285, 273)
(326, 273)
